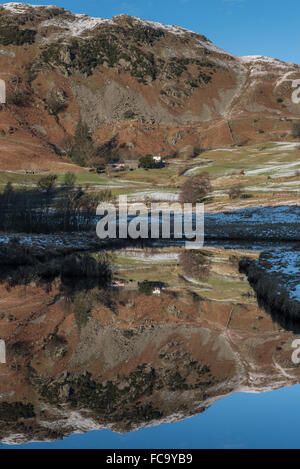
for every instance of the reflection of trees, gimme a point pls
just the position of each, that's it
(48, 208)
(81, 279)
(195, 264)
(271, 294)
(76, 272)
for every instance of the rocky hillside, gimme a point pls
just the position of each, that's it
(140, 86)
(147, 361)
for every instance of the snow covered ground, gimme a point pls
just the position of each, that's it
(280, 223)
(153, 195)
(285, 263)
(260, 215)
(253, 223)
(264, 229)
(80, 241)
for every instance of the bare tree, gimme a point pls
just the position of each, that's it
(196, 188)
(47, 183)
(66, 145)
(195, 264)
(235, 191)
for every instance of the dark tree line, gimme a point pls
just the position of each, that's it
(48, 208)
(271, 294)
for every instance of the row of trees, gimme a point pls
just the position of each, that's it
(49, 207)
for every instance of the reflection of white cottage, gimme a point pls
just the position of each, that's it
(156, 291)
(118, 284)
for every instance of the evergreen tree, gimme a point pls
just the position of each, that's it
(83, 148)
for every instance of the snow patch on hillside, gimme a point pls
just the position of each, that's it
(202, 41)
(16, 7)
(262, 59)
(76, 26)
(261, 67)
(155, 25)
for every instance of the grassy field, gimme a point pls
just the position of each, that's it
(224, 282)
(266, 173)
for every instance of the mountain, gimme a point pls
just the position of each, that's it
(140, 86)
(147, 361)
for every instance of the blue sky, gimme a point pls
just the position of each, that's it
(267, 420)
(243, 27)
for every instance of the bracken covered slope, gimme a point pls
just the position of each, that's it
(151, 360)
(140, 86)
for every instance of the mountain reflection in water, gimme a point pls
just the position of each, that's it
(84, 354)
